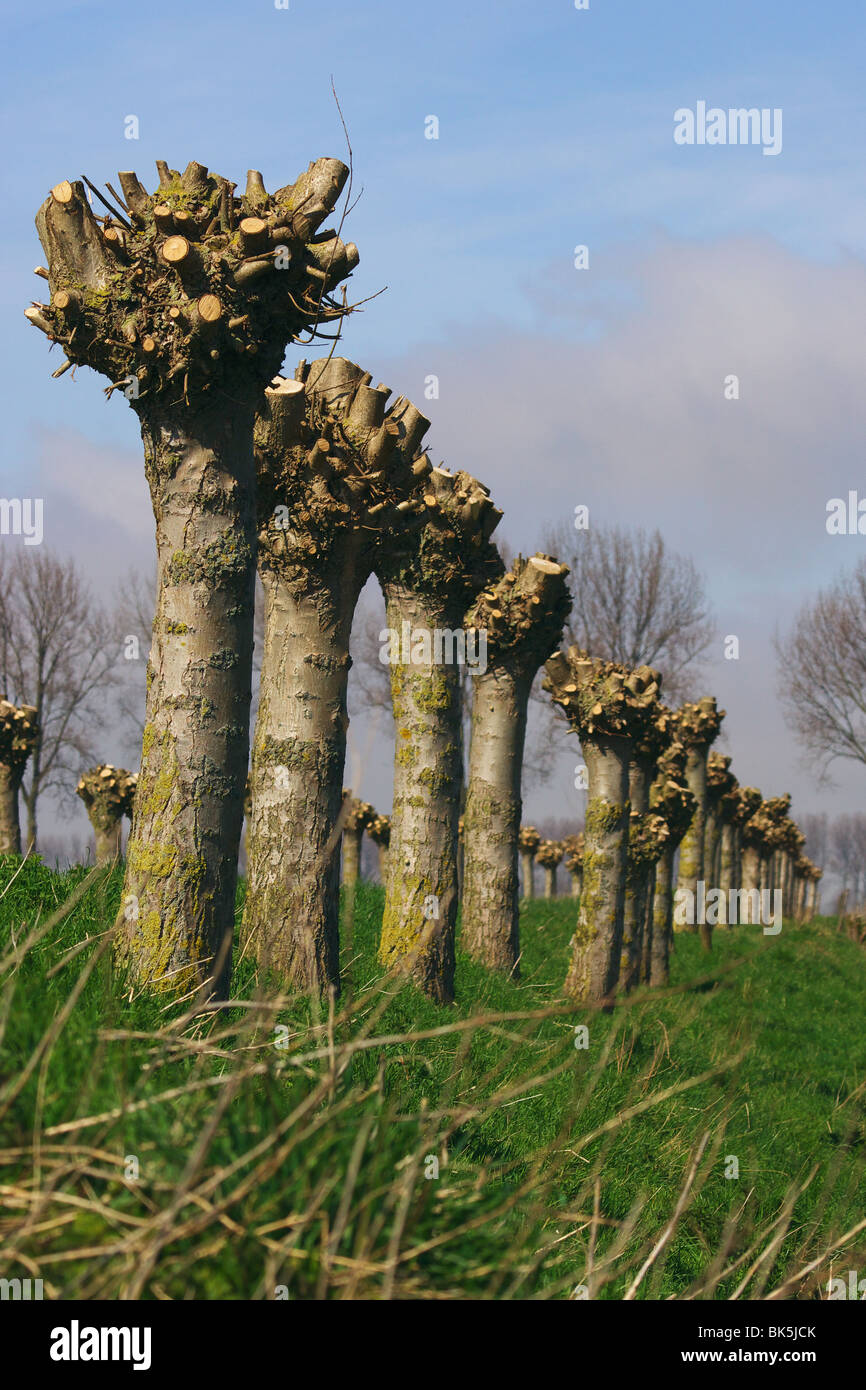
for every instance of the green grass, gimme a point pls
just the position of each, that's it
(303, 1168)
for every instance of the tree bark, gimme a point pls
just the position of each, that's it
(751, 875)
(183, 849)
(728, 852)
(636, 882)
(692, 846)
(549, 881)
(292, 911)
(597, 941)
(108, 840)
(663, 918)
(352, 855)
(421, 896)
(490, 920)
(10, 827)
(527, 875)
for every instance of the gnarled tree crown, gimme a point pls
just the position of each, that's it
(379, 830)
(112, 788)
(523, 612)
(330, 459)
(720, 780)
(573, 846)
(600, 698)
(19, 734)
(357, 815)
(648, 834)
(549, 853)
(698, 723)
(528, 839)
(190, 289)
(674, 802)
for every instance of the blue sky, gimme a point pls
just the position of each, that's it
(555, 128)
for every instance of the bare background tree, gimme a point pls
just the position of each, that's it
(61, 651)
(822, 672)
(636, 602)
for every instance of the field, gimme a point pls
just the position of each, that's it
(707, 1141)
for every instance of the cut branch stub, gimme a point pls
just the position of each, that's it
(190, 247)
(524, 611)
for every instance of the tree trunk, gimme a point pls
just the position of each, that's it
(108, 840)
(751, 878)
(527, 875)
(10, 828)
(693, 843)
(727, 868)
(352, 855)
(299, 752)
(663, 918)
(421, 896)
(182, 855)
(490, 924)
(549, 881)
(636, 882)
(597, 940)
(649, 908)
(576, 882)
(383, 863)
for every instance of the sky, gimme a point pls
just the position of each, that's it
(557, 385)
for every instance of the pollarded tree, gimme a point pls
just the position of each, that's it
(108, 794)
(528, 841)
(549, 856)
(379, 831)
(573, 845)
(696, 727)
(608, 707)
(337, 473)
(646, 837)
(19, 734)
(358, 817)
(186, 299)
(720, 781)
(521, 616)
(670, 798)
(429, 578)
